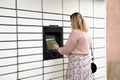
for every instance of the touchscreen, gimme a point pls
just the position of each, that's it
(50, 40)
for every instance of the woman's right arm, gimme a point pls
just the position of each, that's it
(70, 44)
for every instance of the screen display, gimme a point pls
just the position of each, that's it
(50, 40)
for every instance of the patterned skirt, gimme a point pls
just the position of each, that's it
(79, 68)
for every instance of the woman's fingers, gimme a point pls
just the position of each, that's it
(56, 45)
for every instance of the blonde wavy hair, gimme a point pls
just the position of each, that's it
(77, 22)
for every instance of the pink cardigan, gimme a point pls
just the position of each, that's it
(79, 42)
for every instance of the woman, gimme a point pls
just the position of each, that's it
(77, 48)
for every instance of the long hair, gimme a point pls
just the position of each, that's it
(77, 22)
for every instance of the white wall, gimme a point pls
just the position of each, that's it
(21, 48)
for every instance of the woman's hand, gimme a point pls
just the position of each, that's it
(56, 46)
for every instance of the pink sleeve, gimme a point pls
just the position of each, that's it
(90, 40)
(70, 44)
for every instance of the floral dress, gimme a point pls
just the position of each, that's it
(79, 68)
